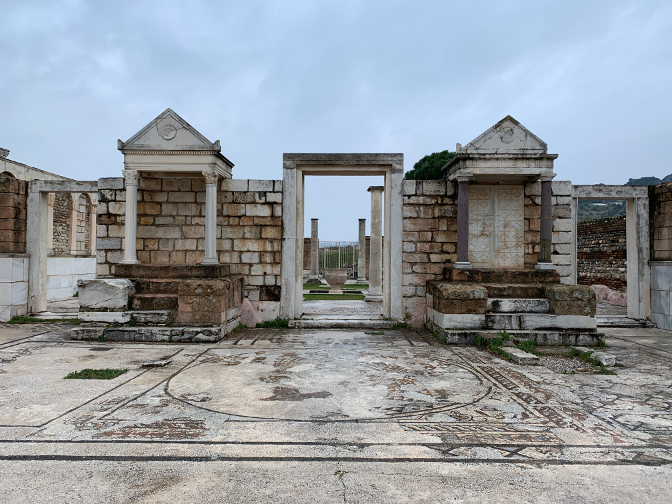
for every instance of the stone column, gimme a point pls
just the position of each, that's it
(131, 217)
(211, 178)
(361, 258)
(546, 225)
(463, 222)
(376, 255)
(314, 250)
(50, 224)
(74, 213)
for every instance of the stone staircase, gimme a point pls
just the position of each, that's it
(531, 303)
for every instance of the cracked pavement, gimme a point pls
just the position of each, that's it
(329, 416)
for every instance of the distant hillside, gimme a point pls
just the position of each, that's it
(649, 180)
(600, 209)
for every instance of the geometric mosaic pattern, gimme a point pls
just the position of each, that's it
(496, 234)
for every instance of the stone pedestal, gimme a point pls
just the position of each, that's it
(361, 257)
(376, 244)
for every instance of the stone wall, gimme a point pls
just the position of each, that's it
(171, 227)
(12, 214)
(61, 238)
(430, 235)
(83, 243)
(602, 253)
(429, 239)
(660, 221)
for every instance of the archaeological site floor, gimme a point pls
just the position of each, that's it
(329, 416)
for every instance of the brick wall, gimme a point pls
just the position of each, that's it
(12, 214)
(61, 227)
(602, 253)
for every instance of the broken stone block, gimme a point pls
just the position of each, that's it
(104, 294)
(248, 315)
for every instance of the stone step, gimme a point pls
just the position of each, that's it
(342, 324)
(172, 270)
(540, 338)
(520, 357)
(518, 291)
(154, 302)
(541, 321)
(140, 317)
(502, 275)
(157, 286)
(602, 358)
(191, 334)
(517, 305)
(54, 315)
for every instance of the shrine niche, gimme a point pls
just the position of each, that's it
(494, 230)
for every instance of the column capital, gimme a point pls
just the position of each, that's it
(314, 219)
(376, 188)
(464, 177)
(548, 177)
(210, 176)
(131, 177)
(360, 220)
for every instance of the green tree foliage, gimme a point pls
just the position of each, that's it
(644, 181)
(429, 167)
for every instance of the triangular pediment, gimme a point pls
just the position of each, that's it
(169, 132)
(508, 136)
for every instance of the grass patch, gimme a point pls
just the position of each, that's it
(527, 346)
(504, 334)
(238, 328)
(308, 286)
(278, 323)
(333, 297)
(19, 319)
(95, 374)
(601, 343)
(398, 326)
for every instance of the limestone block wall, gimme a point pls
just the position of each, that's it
(429, 239)
(12, 214)
(561, 200)
(110, 225)
(250, 240)
(83, 244)
(171, 220)
(602, 253)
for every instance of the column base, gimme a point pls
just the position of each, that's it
(129, 261)
(210, 261)
(362, 281)
(374, 298)
(544, 266)
(462, 265)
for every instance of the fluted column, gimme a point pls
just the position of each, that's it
(361, 257)
(131, 217)
(376, 243)
(314, 250)
(463, 222)
(546, 225)
(211, 178)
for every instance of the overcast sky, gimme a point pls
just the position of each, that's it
(591, 78)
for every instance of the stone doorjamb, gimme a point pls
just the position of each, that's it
(295, 169)
(637, 238)
(37, 210)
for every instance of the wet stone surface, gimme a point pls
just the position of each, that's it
(279, 395)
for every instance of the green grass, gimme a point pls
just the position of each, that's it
(504, 334)
(398, 326)
(333, 297)
(315, 286)
(96, 374)
(31, 320)
(278, 323)
(527, 346)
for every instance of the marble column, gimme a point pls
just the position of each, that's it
(361, 257)
(314, 250)
(463, 222)
(74, 214)
(546, 225)
(211, 178)
(131, 217)
(376, 254)
(50, 224)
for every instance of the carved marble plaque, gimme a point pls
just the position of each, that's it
(496, 236)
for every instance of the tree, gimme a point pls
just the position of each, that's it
(429, 167)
